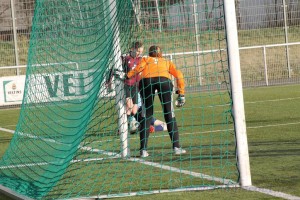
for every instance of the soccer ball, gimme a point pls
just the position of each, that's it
(133, 125)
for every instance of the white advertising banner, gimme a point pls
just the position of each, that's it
(50, 87)
(11, 90)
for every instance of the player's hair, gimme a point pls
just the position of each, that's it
(155, 51)
(137, 44)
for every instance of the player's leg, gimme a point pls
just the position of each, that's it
(133, 123)
(147, 95)
(165, 96)
(134, 96)
(141, 111)
(129, 103)
(129, 106)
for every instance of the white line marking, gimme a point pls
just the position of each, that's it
(7, 130)
(271, 192)
(174, 169)
(101, 151)
(155, 192)
(271, 125)
(227, 182)
(272, 100)
(45, 163)
(166, 167)
(138, 160)
(113, 155)
(32, 136)
(24, 165)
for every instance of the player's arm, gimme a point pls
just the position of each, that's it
(180, 101)
(109, 77)
(179, 78)
(124, 59)
(119, 73)
(140, 67)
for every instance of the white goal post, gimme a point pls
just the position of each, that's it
(237, 93)
(120, 96)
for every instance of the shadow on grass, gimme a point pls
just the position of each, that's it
(274, 148)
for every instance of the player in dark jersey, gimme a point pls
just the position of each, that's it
(131, 87)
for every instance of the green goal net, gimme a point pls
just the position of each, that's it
(73, 140)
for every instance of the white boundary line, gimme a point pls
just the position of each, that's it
(195, 174)
(271, 192)
(10, 193)
(7, 130)
(174, 169)
(272, 125)
(166, 167)
(153, 164)
(45, 163)
(272, 100)
(153, 192)
(32, 136)
(138, 160)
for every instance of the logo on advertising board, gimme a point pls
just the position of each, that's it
(13, 90)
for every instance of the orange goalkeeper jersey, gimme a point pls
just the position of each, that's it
(158, 67)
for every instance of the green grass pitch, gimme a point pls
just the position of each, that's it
(273, 124)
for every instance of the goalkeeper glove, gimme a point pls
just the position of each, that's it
(180, 101)
(120, 75)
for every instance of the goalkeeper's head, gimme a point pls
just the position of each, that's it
(155, 51)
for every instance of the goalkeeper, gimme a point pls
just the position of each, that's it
(155, 73)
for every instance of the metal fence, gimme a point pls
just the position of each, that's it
(268, 35)
(15, 26)
(269, 41)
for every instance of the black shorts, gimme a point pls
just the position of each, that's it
(132, 92)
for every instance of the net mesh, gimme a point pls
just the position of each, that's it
(68, 144)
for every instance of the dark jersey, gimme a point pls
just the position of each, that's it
(129, 64)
